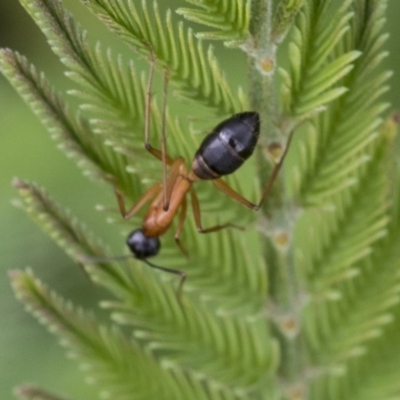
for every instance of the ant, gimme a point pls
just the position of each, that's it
(221, 153)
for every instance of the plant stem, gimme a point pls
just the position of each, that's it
(285, 296)
(262, 60)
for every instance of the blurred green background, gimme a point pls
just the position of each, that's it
(27, 352)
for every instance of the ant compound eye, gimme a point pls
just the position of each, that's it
(141, 245)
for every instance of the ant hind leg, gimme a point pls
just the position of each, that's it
(197, 218)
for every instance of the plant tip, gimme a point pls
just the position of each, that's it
(18, 183)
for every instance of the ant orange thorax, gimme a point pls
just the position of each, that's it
(160, 215)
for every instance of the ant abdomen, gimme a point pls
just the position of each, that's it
(228, 146)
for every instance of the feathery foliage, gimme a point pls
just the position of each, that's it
(304, 305)
(231, 18)
(193, 70)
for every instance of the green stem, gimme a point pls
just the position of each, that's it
(262, 52)
(284, 292)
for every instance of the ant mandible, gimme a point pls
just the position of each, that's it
(221, 153)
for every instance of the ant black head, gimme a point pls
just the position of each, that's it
(142, 246)
(226, 148)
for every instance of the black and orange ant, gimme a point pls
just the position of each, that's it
(221, 153)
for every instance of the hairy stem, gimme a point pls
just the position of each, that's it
(285, 303)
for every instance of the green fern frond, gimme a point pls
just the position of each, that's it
(379, 366)
(309, 308)
(114, 362)
(357, 220)
(115, 97)
(70, 130)
(194, 71)
(157, 299)
(58, 224)
(315, 68)
(345, 191)
(231, 18)
(349, 310)
(51, 108)
(284, 16)
(350, 124)
(375, 297)
(346, 254)
(68, 233)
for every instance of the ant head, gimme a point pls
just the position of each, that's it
(142, 246)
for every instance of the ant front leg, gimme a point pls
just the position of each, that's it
(197, 217)
(159, 154)
(147, 196)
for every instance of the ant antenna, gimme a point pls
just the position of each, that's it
(94, 260)
(171, 271)
(102, 260)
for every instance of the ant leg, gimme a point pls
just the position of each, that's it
(173, 176)
(182, 217)
(197, 217)
(161, 155)
(150, 193)
(147, 196)
(276, 170)
(153, 151)
(225, 188)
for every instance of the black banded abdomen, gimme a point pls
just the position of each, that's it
(226, 148)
